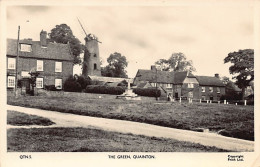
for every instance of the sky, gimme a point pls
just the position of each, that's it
(145, 34)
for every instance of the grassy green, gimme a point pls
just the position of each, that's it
(234, 121)
(21, 119)
(93, 140)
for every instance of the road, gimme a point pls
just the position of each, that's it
(72, 120)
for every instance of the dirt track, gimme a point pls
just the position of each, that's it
(72, 120)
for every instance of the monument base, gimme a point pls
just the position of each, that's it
(129, 95)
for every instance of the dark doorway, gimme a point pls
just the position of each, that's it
(25, 84)
(176, 95)
(211, 98)
(95, 66)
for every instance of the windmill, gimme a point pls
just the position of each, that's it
(91, 62)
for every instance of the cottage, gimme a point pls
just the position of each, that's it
(210, 88)
(53, 62)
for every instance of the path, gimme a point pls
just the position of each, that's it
(72, 120)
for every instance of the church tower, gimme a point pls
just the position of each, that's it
(91, 63)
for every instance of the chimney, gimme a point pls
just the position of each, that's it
(153, 68)
(217, 75)
(43, 38)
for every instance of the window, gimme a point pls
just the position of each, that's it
(11, 81)
(95, 55)
(39, 82)
(39, 65)
(203, 97)
(58, 83)
(95, 66)
(168, 85)
(25, 48)
(58, 66)
(190, 95)
(11, 63)
(218, 90)
(190, 85)
(203, 89)
(210, 89)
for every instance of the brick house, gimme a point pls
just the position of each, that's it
(182, 84)
(53, 61)
(211, 88)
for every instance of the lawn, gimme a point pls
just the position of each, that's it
(230, 120)
(21, 119)
(93, 140)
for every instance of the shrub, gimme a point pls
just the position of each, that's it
(151, 92)
(71, 85)
(105, 89)
(84, 82)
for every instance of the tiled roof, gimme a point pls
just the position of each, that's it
(55, 51)
(231, 85)
(163, 76)
(209, 81)
(143, 84)
(176, 77)
(180, 76)
(149, 75)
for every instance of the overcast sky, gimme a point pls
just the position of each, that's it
(145, 34)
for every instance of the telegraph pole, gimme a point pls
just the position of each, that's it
(17, 60)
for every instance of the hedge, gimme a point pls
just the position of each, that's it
(105, 89)
(150, 92)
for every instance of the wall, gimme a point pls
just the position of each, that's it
(48, 73)
(216, 96)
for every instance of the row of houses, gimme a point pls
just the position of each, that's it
(181, 84)
(54, 63)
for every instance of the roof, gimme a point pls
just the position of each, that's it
(163, 76)
(109, 79)
(179, 77)
(232, 86)
(143, 85)
(209, 81)
(149, 75)
(55, 51)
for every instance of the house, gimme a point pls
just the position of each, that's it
(182, 84)
(163, 79)
(53, 62)
(210, 88)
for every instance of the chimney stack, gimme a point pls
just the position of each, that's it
(217, 75)
(43, 38)
(153, 68)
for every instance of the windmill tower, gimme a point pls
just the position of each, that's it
(91, 62)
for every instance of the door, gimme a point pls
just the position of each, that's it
(176, 95)
(26, 85)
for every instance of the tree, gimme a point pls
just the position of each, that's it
(242, 66)
(177, 62)
(63, 34)
(225, 79)
(116, 66)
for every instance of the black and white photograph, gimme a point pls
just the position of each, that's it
(130, 82)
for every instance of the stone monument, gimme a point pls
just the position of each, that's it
(129, 94)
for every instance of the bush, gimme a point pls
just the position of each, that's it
(71, 85)
(105, 89)
(150, 92)
(84, 82)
